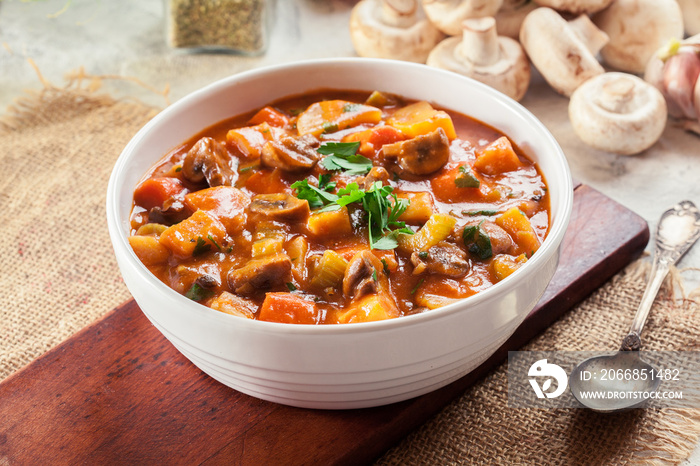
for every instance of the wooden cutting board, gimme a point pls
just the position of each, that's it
(118, 391)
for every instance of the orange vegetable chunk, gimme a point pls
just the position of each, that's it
(368, 309)
(149, 250)
(271, 116)
(153, 192)
(201, 227)
(331, 223)
(421, 118)
(371, 140)
(420, 207)
(249, 141)
(518, 226)
(329, 116)
(266, 182)
(225, 202)
(288, 308)
(229, 303)
(504, 265)
(498, 157)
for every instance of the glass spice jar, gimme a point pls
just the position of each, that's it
(236, 26)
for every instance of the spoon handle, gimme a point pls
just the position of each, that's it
(677, 231)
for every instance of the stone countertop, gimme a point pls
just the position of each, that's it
(127, 38)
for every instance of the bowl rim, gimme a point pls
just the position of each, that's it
(549, 246)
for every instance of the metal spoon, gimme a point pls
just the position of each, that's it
(678, 229)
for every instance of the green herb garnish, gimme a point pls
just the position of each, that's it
(343, 156)
(316, 196)
(198, 293)
(415, 288)
(477, 241)
(211, 238)
(347, 108)
(248, 168)
(474, 213)
(374, 275)
(386, 267)
(291, 286)
(466, 179)
(423, 255)
(329, 127)
(201, 247)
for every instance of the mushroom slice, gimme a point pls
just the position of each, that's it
(443, 258)
(396, 29)
(637, 28)
(209, 159)
(421, 155)
(499, 62)
(173, 211)
(500, 241)
(364, 275)
(261, 274)
(448, 15)
(280, 206)
(291, 154)
(563, 52)
(576, 7)
(618, 112)
(375, 174)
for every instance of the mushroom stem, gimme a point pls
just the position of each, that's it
(593, 38)
(617, 93)
(479, 41)
(399, 13)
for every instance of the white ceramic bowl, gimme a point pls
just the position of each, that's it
(352, 365)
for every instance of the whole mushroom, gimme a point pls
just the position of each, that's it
(499, 62)
(618, 112)
(675, 71)
(576, 7)
(448, 15)
(563, 52)
(637, 28)
(691, 16)
(395, 29)
(511, 16)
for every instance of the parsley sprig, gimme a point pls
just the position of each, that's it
(343, 156)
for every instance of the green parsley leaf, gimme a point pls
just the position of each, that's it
(386, 267)
(374, 275)
(477, 241)
(198, 293)
(315, 196)
(201, 247)
(423, 255)
(466, 179)
(342, 156)
(348, 108)
(329, 127)
(291, 286)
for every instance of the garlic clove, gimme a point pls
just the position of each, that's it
(681, 73)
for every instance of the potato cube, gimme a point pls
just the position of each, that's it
(333, 223)
(149, 250)
(419, 209)
(421, 118)
(498, 157)
(518, 226)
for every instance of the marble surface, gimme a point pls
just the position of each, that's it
(126, 38)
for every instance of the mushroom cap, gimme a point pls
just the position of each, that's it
(448, 15)
(637, 28)
(558, 53)
(372, 37)
(618, 112)
(511, 15)
(510, 74)
(691, 16)
(576, 7)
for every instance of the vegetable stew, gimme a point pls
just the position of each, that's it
(339, 207)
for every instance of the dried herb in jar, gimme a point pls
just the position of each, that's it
(235, 25)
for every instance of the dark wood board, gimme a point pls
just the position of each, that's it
(117, 391)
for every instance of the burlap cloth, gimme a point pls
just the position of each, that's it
(58, 275)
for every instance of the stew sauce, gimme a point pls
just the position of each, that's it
(339, 207)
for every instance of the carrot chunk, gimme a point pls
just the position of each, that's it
(329, 116)
(153, 192)
(498, 157)
(271, 116)
(249, 141)
(288, 308)
(516, 223)
(225, 202)
(266, 182)
(371, 140)
(199, 233)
